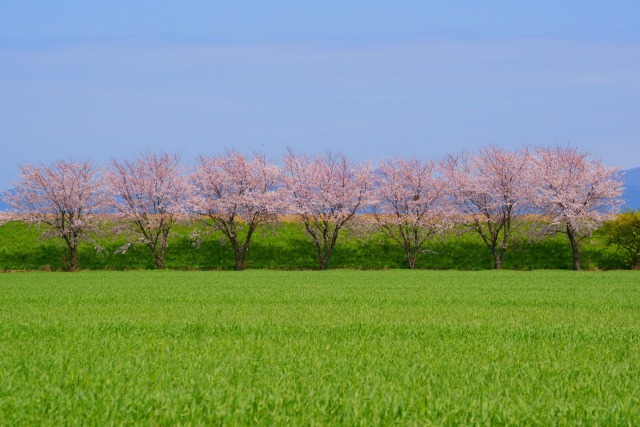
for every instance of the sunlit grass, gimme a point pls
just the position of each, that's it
(337, 347)
(287, 247)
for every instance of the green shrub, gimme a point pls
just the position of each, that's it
(624, 233)
(286, 247)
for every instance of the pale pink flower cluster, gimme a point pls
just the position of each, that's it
(411, 203)
(326, 192)
(234, 194)
(488, 189)
(149, 195)
(576, 193)
(66, 196)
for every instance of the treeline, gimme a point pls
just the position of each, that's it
(285, 246)
(409, 201)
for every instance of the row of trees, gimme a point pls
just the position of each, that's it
(409, 199)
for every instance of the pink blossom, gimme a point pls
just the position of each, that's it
(410, 203)
(326, 192)
(235, 194)
(150, 194)
(574, 192)
(489, 188)
(66, 196)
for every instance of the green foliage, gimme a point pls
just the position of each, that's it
(318, 348)
(286, 247)
(624, 233)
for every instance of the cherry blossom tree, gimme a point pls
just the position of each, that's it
(576, 193)
(325, 192)
(64, 196)
(410, 205)
(235, 194)
(150, 194)
(489, 188)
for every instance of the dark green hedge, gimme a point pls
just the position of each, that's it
(287, 247)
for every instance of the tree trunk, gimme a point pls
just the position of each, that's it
(412, 258)
(575, 249)
(239, 251)
(498, 263)
(497, 259)
(576, 256)
(159, 258)
(73, 258)
(239, 262)
(412, 263)
(324, 254)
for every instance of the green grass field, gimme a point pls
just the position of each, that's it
(287, 247)
(310, 347)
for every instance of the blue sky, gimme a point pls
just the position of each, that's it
(95, 80)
